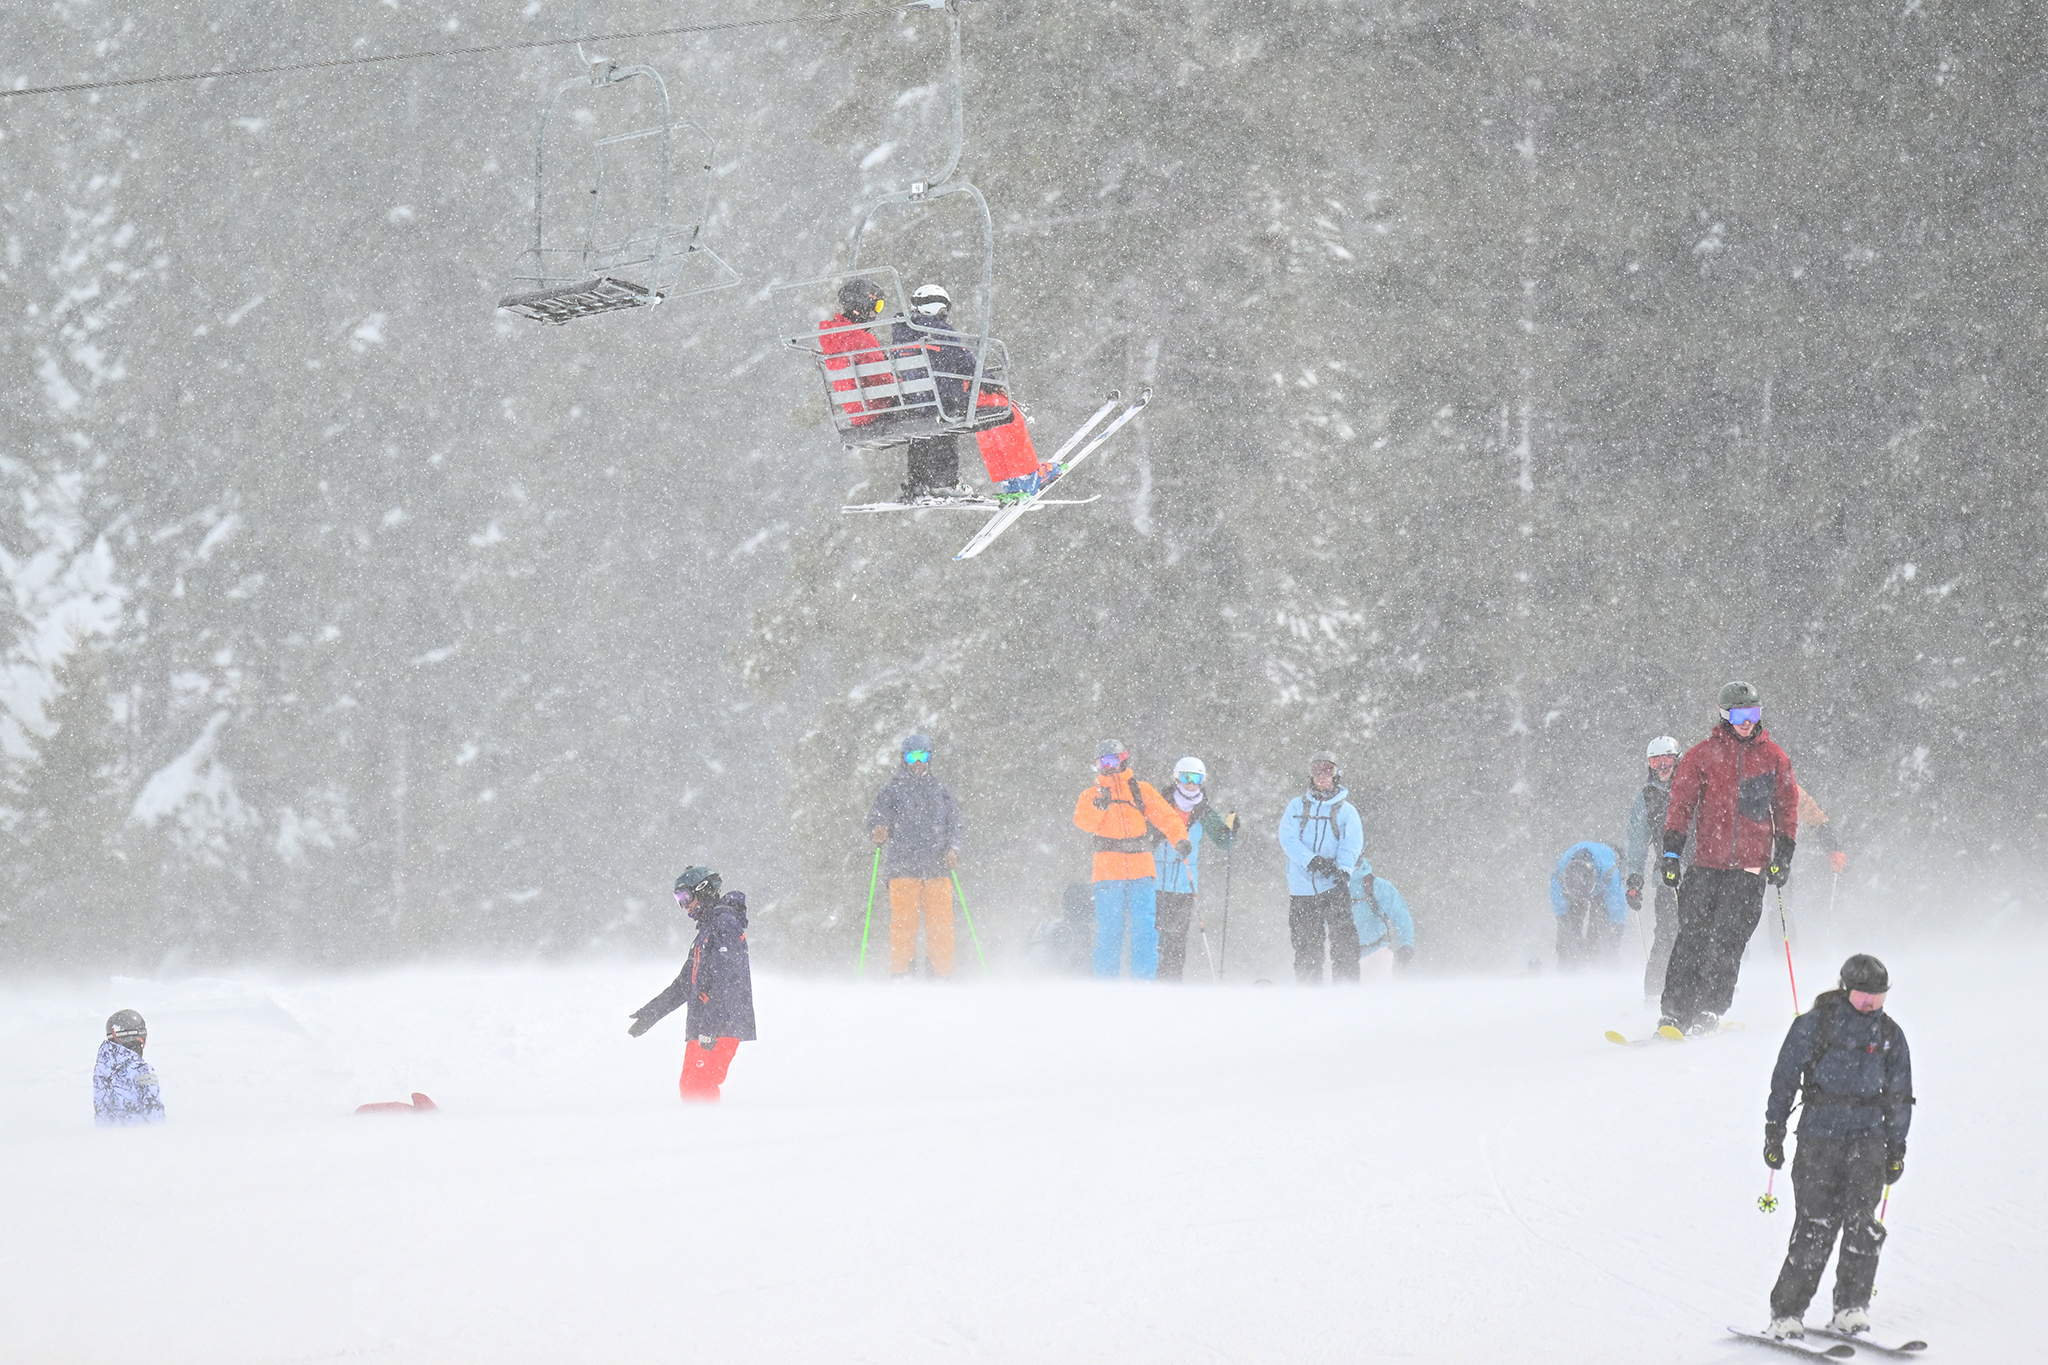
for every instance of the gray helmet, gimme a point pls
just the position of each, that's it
(917, 743)
(1740, 694)
(1865, 973)
(697, 881)
(1112, 748)
(123, 1025)
(1662, 746)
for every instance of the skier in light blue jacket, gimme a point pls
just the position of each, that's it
(1386, 931)
(124, 1089)
(1179, 878)
(1323, 839)
(1588, 880)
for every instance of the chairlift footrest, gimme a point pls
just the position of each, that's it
(583, 300)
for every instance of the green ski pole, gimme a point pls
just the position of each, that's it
(961, 896)
(869, 918)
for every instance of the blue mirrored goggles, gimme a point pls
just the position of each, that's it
(1111, 762)
(1188, 779)
(1745, 715)
(917, 755)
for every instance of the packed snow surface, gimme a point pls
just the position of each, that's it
(1000, 1170)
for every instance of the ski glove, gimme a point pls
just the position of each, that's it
(1894, 1162)
(1838, 860)
(1102, 798)
(1184, 847)
(1324, 866)
(1670, 872)
(638, 1026)
(1230, 822)
(1635, 891)
(1780, 870)
(706, 1041)
(1774, 1146)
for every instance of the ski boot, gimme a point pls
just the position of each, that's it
(1786, 1329)
(1849, 1321)
(1707, 1022)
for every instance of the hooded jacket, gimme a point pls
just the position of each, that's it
(1852, 1070)
(1610, 891)
(923, 820)
(1735, 795)
(1122, 851)
(124, 1088)
(718, 980)
(1320, 827)
(1379, 911)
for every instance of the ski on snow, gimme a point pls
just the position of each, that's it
(1009, 516)
(976, 504)
(1667, 1034)
(1838, 1352)
(1904, 1348)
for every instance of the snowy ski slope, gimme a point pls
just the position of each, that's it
(1011, 1170)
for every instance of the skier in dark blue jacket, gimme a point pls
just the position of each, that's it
(1849, 1063)
(718, 983)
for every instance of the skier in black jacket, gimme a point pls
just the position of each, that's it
(1850, 1063)
(718, 983)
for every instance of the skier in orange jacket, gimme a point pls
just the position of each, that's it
(1117, 811)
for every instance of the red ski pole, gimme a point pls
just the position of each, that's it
(1786, 933)
(1768, 1202)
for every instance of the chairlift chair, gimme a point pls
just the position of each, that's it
(647, 259)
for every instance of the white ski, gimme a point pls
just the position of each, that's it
(956, 505)
(1008, 517)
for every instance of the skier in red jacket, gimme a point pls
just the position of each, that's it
(1735, 795)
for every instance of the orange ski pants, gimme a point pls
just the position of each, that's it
(704, 1070)
(934, 896)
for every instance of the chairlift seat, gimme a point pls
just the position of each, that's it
(583, 300)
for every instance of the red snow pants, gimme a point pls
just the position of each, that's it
(704, 1071)
(1006, 449)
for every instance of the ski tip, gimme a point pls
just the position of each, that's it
(1615, 1036)
(1666, 1031)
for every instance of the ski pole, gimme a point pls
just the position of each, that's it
(869, 918)
(1224, 959)
(962, 897)
(1885, 1204)
(1786, 934)
(1834, 887)
(1200, 927)
(1768, 1202)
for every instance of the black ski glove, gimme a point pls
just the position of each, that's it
(1184, 847)
(1102, 798)
(706, 1041)
(1404, 955)
(639, 1025)
(1669, 870)
(1322, 866)
(1894, 1162)
(1774, 1146)
(1230, 822)
(1635, 891)
(1780, 870)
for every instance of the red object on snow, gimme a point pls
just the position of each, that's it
(420, 1105)
(1006, 449)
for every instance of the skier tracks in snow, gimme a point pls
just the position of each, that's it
(483, 50)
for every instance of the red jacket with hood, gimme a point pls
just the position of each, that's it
(1734, 794)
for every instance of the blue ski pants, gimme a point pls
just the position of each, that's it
(1116, 902)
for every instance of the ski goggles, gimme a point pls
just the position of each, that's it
(1188, 779)
(1109, 763)
(1744, 715)
(1324, 767)
(917, 755)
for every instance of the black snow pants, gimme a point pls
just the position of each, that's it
(1173, 911)
(1586, 937)
(1836, 1183)
(1717, 912)
(1309, 919)
(1661, 938)
(934, 463)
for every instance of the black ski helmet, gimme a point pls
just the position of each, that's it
(1739, 693)
(123, 1025)
(860, 299)
(1865, 973)
(697, 881)
(1580, 877)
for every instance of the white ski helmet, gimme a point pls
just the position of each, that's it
(1190, 766)
(1663, 746)
(930, 300)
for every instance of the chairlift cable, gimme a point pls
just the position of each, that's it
(827, 16)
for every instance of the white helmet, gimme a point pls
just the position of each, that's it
(1187, 766)
(1663, 746)
(930, 300)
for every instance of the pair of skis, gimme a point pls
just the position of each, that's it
(1668, 1034)
(1009, 516)
(1844, 1348)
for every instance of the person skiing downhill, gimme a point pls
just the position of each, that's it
(1591, 908)
(1386, 931)
(1735, 797)
(1179, 878)
(717, 982)
(918, 825)
(1645, 836)
(1853, 1072)
(124, 1087)
(1323, 838)
(1117, 810)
